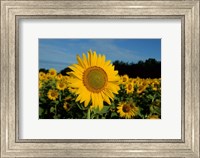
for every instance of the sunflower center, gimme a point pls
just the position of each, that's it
(129, 86)
(53, 94)
(95, 79)
(126, 108)
(61, 85)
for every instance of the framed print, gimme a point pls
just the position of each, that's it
(100, 78)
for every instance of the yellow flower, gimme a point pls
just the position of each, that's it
(124, 79)
(41, 76)
(52, 72)
(155, 88)
(59, 77)
(52, 94)
(72, 90)
(134, 81)
(141, 89)
(65, 79)
(127, 110)
(129, 87)
(60, 85)
(66, 106)
(48, 77)
(40, 84)
(94, 79)
(68, 98)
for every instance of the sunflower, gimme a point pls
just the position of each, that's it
(65, 79)
(66, 106)
(48, 77)
(127, 109)
(59, 77)
(52, 94)
(141, 89)
(60, 85)
(52, 72)
(155, 88)
(40, 84)
(94, 79)
(124, 79)
(129, 87)
(41, 76)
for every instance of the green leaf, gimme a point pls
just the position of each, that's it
(52, 109)
(114, 114)
(55, 102)
(150, 97)
(41, 111)
(43, 100)
(155, 110)
(104, 110)
(81, 107)
(55, 117)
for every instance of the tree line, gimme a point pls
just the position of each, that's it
(150, 68)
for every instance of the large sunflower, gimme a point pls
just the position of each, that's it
(94, 79)
(127, 109)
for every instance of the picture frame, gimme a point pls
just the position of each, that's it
(13, 11)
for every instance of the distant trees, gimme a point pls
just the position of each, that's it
(64, 71)
(43, 70)
(150, 68)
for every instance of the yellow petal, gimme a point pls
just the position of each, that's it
(105, 98)
(85, 60)
(81, 69)
(103, 58)
(93, 100)
(85, 95)
(78, 98)
(72, 67)
(77, 74)
(89, 58)
(76, 84)
(80, 62)
(94, 58)
(98, 62)
(113, 87)
(87, 100)
(100, 100)
(109, 94)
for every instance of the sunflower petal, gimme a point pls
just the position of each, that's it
(113, 87)
(85, 61)
(105, 98)
(80, 62)
(93, 100)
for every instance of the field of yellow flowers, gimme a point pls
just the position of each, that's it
(94, 90)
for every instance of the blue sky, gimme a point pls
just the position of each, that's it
(60, 53)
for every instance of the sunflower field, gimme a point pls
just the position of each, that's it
(93, 89)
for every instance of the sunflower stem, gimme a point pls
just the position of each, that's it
(55, 109)
(88, 113)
